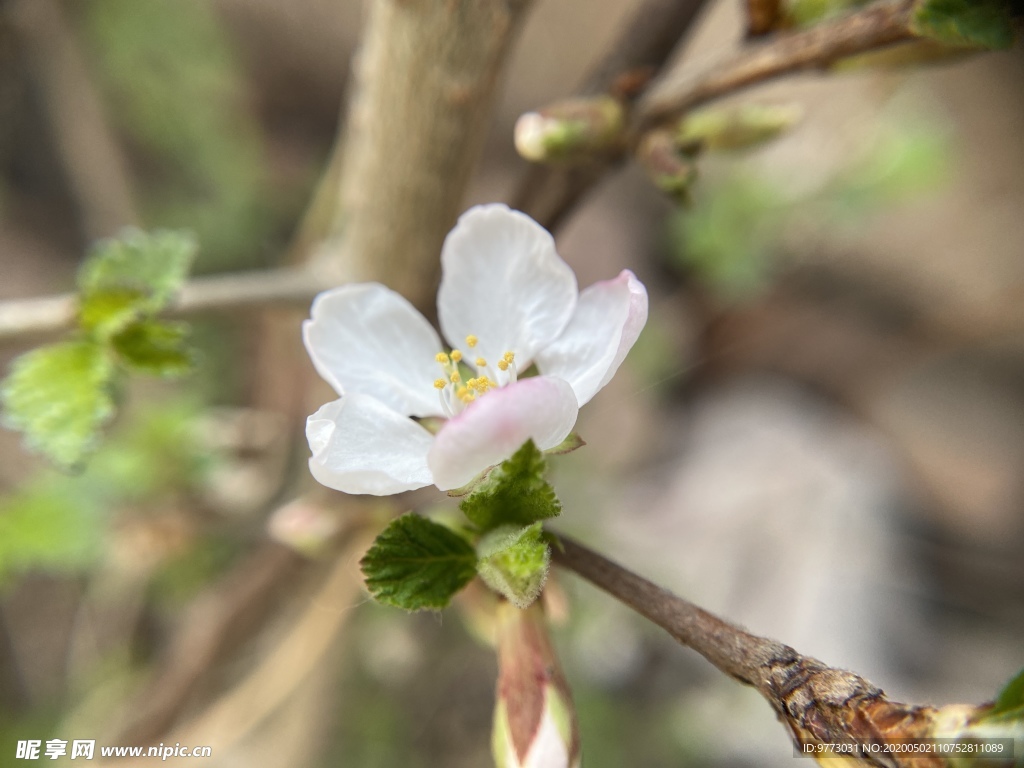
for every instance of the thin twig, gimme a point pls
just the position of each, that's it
(819, 704)
(236, 290)
(548, 194)
(880, 24)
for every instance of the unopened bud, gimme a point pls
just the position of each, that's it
(534, 720)
(737, 127)
(671, 170)
(570, 131)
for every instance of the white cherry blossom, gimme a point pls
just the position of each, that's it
(507, 301)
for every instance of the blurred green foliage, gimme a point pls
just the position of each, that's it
(735, 232)
(178, 92)
(60, 523)
(971, 23)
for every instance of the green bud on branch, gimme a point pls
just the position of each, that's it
(571, 131)
(671, 170)
(737, 127)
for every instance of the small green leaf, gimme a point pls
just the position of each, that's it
(514, 562)
(970, 23)
(416, 563)
(132, 276)
(155, 347)
(1010, 703)
(514, 493)
(60, 396)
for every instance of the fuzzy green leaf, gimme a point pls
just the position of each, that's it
(970, 23)
(416, 563)
(60, 396)
(514, 562)
(155, 347)
(130, 277)
(514, 493)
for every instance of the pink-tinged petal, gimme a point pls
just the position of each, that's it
(360, 445)
(494, 427)
(369, 340)
(608, 319)
(504, 283)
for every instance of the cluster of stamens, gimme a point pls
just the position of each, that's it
(456, 393)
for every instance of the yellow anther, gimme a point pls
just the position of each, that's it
(471, 341)
(442, 358)
(480, 362)
(464, 394)
(456, 356)
(508, 357)
(455, 377)
(440, 383)
(503, 364)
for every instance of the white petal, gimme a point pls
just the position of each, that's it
(495, 426)
(504, 283)
(360, 445)
(608, 319)
(549, 749)
(367, 339)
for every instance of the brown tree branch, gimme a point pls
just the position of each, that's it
(880, 24)
(821, 705)
(236, 290)
(547, 193)
(425, 79)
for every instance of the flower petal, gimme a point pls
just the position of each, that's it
(367, 339)
(504, 283)
(360, 445)
(496, 426)
(608, 319)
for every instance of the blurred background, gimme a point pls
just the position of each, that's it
(819, 435)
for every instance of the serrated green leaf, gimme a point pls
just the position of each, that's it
(155, 347)
(514, 493)
(60, 396)
(971, 23)
(514, 562)
(416, 563)
(132, 276)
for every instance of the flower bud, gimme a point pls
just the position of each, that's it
(534, 720)
(569, 131)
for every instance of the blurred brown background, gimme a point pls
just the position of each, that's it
(820, 434)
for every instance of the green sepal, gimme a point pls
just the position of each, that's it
(513, 493)
(129, 277)
(417, 564)
(60, 396)
(966, 23)
(1009, 705)
(514, 562)
(155, 347)
(570, 444)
